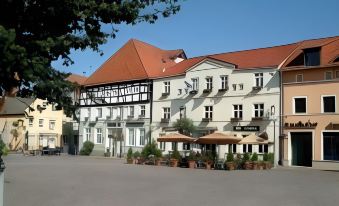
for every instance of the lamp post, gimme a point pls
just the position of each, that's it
(2, 179)
(273, 118)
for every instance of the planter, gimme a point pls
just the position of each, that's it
(174, 162)
(158, 162)
(208, 165)
(129, 161)
(191, 164)
(230, 165)
(255, 165)
(261, 166)
(248, 165)
(268, 165)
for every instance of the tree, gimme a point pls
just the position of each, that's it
(184, 126)
(33, 33)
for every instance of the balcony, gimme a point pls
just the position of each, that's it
(206, 119)
(223, 90)
(194, 92)
(164, 120)
(256, 88)
(235, 119)
(257, 118)
(206, 91)
(141, 116)
(165, 94)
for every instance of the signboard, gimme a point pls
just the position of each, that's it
(246, 128)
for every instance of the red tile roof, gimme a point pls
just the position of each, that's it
(136, 60)
(75, 78)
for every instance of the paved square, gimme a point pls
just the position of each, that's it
(89, 181)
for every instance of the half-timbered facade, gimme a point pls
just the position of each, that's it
(116, 100)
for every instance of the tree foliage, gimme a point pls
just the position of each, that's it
(33, 33)
(184, 126)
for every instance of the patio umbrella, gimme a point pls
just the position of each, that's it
(218, 138)
(253, 139)
(175, 137)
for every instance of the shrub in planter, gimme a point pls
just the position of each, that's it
(247, 162)
(230, 161)
(130, 156)
(175, 157)
(87, 148)
(265, 161)
(136, 156)
(254, 159)
(191, 159)
(208, 159)
(270, 160)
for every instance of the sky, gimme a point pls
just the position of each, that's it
(217, 26)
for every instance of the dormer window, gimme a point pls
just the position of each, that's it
(312, 56)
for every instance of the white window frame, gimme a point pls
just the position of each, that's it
(41, 122)
(322, 104)
(99, 110)
(30, 122)
(260, 77)
(209, 83)
(87, 134)
(293, 105)
(98, 136)
(195, 84)
(162, 146)
(325, 76)
(166, 112)
(300, 75)
(259, 109)
(142, 143)
(167, 87)
(131, 111)
(142, 110)
(223, 81)
(336, 73)
(236, 111)
(208, 112)
(131, 140)
(241, 86)
(51, 124)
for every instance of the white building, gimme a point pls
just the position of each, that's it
(116, 101)
(233, 92)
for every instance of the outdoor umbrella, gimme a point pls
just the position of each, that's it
(253, 139)
(218, 138)
(175, 137)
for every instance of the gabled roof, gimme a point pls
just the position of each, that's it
(136, 60)
(75, 78)
(329, 49)
(15, 105)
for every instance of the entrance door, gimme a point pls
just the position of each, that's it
(301, 148)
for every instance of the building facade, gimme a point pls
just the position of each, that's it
(310, 79)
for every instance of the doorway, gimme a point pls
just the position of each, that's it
(301, 148)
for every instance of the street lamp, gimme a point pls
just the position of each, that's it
(273, 118)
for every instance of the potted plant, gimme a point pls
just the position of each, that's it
(230, 161)
(191, 159)
(270, 160)
(136, 157)
(158, 157)
(130, 156)
(247, 162)
(254, 159)
(175, 157)
(208, 160)
(261, 165)
(265, 161)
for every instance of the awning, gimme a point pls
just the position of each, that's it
(218, 138)
(253, 139)
(175, 137)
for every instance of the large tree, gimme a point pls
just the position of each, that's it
(33, 33)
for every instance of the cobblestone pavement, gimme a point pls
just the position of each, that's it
(90, 181)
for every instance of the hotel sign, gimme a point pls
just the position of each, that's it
(246, 128)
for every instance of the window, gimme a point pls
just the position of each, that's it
(237, 111)
(162, 145)
(87, 134)
(99, 112)
(88, 112)
(263, 148)
(51, 124)
(195, 82)
(258, 110)
(167, 88)
(328, 75)
(224, 82)
(328, 104)
(331, 145)
(234, 87)
(131, 137)
(174, 146)
(167, 112)
(143, 110)
(142, 137)
(41, 122)
(300, 105)
(299, 78)
(337, 74)
(259, 82)
(241, 86)
(99, 136)
(182, 112)
(312, 56)
(110, 112)
(208, 112)
(209, 83)
(232, 148)
(247, 148)
(30, 123)
(131, 111)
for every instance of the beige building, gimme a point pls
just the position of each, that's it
(310, 91)
(30, 124)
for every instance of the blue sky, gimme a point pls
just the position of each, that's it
(216, 26)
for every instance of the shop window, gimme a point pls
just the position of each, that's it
(331, 146)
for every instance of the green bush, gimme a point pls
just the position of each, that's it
(87, 148)
(254, 157)
(136, 155)
(271, 157)
(151, 149)
(176, 155)
(246, 157)
(129, 153)
(3, 148)
(192, 156)
(229, 157)
(265, 157)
